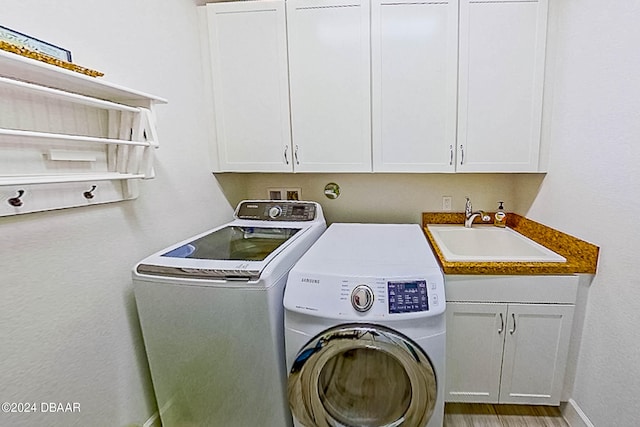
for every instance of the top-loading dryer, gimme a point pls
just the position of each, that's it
(365, 329)
(211, 313)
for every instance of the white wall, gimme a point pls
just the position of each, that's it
(68, 325)
(394, 198)
(592, 191)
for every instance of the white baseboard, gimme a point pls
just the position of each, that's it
(153, 421)
(574, 416)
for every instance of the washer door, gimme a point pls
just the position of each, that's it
(362, 375)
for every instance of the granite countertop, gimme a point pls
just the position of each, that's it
(581, 256)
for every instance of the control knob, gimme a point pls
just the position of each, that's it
(275, 211)
(362, 298)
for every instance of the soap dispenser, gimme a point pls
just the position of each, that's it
(500, 218)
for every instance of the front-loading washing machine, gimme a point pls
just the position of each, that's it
(365, 329)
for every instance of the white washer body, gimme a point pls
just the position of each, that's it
(331, 319)
(213, 328)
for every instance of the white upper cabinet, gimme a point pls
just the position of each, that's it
(414, 76)
(501, 71)
(380, 85)
(248, 53)
(329, 72)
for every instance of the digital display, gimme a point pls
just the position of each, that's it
(298, 210)
(408, 296)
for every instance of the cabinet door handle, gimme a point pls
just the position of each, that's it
(501, 325)
(286, 158)
(461, 154)
(512, 330)
(451, 155)
(295, 155)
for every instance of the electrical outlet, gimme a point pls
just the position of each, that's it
(446, 203)
(284, 193)
(293, 193)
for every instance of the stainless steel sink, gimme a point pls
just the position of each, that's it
(488, 243)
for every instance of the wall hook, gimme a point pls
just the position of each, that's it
(89, 194)
(15, 201)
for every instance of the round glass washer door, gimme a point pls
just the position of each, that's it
(362, 375)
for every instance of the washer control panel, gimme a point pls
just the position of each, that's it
(276, 210)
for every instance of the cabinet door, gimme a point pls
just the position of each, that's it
(475, 338)
(535, 353)
(414, 77)
(250, 87)
(329, 70)
(502, 54)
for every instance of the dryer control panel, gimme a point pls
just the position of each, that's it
(408, 296)
(351, 298)
(403, 296)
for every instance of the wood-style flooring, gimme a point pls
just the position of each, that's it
(480, 415)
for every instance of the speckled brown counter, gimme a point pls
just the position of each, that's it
(581, 256)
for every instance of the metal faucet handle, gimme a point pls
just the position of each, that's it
(467, 207)
(470, 215)
(469, 218)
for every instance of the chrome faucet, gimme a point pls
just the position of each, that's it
(469, 215)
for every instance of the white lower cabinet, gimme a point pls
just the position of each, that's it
(508, 351)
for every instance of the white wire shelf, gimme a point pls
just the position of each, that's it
(70, 140)
(29, 70)
(34, 136)
(17, 180)
(67, 96)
